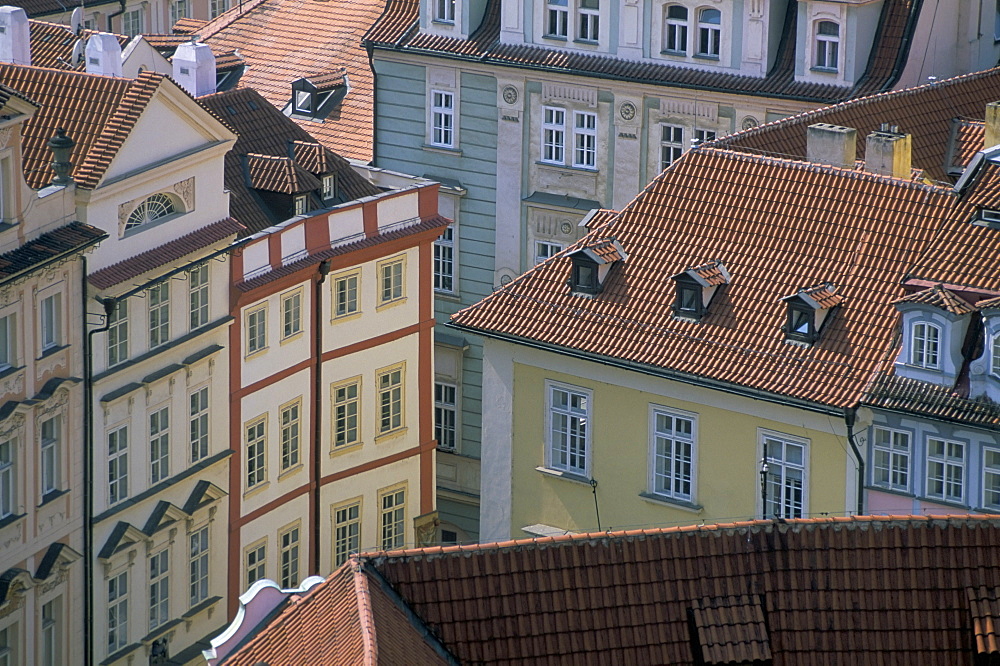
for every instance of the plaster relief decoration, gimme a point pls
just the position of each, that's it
(627, 111)
(185, 190)
(749, 122)
(5, 136)
(9, 295)
(16, 422)
(551, 224)
(510, 95)
(678, 106)
(570, 94)
(14, 384)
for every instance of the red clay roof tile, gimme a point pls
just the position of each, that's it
(52, 45)
(941, 298)
(279, 174)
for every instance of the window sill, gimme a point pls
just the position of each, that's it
(200, 607)
(345, 317)
(587, 42)
(291, 471)
(565, 476)
(674, 54)
(706, 56)
(555, 38)
(567, 167)
(943, 502)
(443, 22)
(891, 491)
(390, 304)
(128, 233)
(257, 489)
(683, 505)
(52, 496)
(160, 630)
(49, 351)
(447, 295)
(824, 70)
(444, 150)
(345, 448)
(11, 519)
(255, 353)
(390, 434)
(291, 338)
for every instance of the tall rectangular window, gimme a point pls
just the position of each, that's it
(827, 46)
(132, 23)
(671, 144)
(159, 445)
(216, 7)
(159, 314)
(346, 406)
(390, 400)
(8, 491)
(553, 135)
(178, 10)
(673, 455)
(444, 10)
(291, 314)
(256, 562)
(557, 18)
(584, 139)
(118, 333)
(290, 436)
(51, 321)
(51, 634)
(891, 459)
(945, 469)
(568, 439)
(8, 635)
(442, 118)
(786, 477)
(257, 329)
(589, 17)
(159, 588)
(198, 423)
(676, 30)
(8, 335)
(117, 612)
(301, 204)
(991, 478)
(345, 294)
(709, 33)
(444, 261)
(393, 519)
(51, 455)
(347, 532)
(445, 415)
(199, 566)
(256, 445)
(329, 186)
(289, 551)
(198, 296)
(391, 281)
(118, 464)
(924, 345)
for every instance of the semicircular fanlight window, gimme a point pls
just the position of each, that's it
(153, 208)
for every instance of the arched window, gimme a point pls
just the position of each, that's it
(827, 46)
(709, 32)
(675, 30)
(924, 345)
(153, 208)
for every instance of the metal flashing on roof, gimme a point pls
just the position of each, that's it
(561, 200)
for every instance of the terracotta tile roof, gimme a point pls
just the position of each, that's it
(865, 591)
(226, 60)
(985, 606)
(348, 619)
(188, 26)
(74, 237)
(825, 295)
(279, 174)
(264, 130)
(285, 40)
(896, 393)
(133, 267)
(776, 224)
(97, 112)
(941, 298)
(166, 44)
(985, 190)
(712, 272)
(397, 28)
(605, 249)
(329, 79)
(52, 45)
(967, 139)
(926, 112)
(43, 7)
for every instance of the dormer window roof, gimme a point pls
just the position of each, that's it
(808, 310)
(591, 265)
(935, 323)
(279, 174)
(940, 297)
(318, 94)
(696, 287)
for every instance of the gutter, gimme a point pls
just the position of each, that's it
(850, 415)
(314, 471)
(733, 389)
(111, 16)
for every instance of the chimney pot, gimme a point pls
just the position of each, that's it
(15, 36)
(104, 55)
(194, 68)
(992, 137)
(832, 144)
(888, 152)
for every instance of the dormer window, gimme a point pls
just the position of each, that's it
(444, 11)
(924, 346)
(808, 310)
(585, 276)
(152, 209)
(696, 287)
(990, 216)
(591, 265)
(935, 324)
(303, 101)
(329, 186)
(301, 204)
(827, 46)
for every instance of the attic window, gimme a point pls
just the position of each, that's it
(696, 287)
(329, 182)
(989, 215)
(591, 265)
(300, 204)
(808, 310)
(303, 101)
(584, 278)
(150, 210)
(688, 300)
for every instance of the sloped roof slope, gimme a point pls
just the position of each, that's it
(282, 41)
(74, 237)
(778, 226)
(52, 45)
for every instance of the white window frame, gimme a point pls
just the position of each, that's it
(827, 47)
(892, 458)
(50, 321)
(255, 448)
(198, 423)
(291, 313)
(991, 478)
(8, 341)
(159, 588)
(256, 318)
(159, 444)
(159, 314)
(445, 261)
(117, 612)
(301, 204)
(446, 415)
(118, 465)
(346, 413)
(557, 19)
(392, 518)
(51, 634)
(346, 294)
(179, 9)
(948, 463)
(671, 144)
(255, 562)
(443, 128)
(545, 249)
(676, 30)
(709, 35)
(553, 135)
(198, 295)
(118, 333)
(329, 186)
(444, 11)
(781, 471)
(198, 561)
(290, 424)
(584, 140)
(588, 22)
(217, 7)
(51, 454)
(995, 355)
(8, 478)
(556, 457)
(391, 398)
(289, 541)
(925, 345)
(132, 20)
(671, 468)
(346, 530)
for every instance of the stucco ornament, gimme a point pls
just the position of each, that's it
(749, 122)
(627, 111)
(510, 94)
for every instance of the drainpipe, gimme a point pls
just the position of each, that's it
(324, 269)
(111, 16)
(88, 468)
(850, 415)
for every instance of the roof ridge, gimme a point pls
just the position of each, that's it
(227, 18)
(366, 616)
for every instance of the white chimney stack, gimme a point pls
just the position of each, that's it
(15, 36)
(104, 55)
(194, 68)
(831, 144)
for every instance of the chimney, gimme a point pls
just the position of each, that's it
(992, 125)
(887, 152)
(15, 36)
(194, 68)
(832, 144)
(104, 55)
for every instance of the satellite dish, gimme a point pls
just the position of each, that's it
(76, 20)
(77, 52)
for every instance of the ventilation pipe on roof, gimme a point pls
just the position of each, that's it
(832, 144)
(887, 152)
(15, 36)
(992, 137)
(104, 55)
(194, 68)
